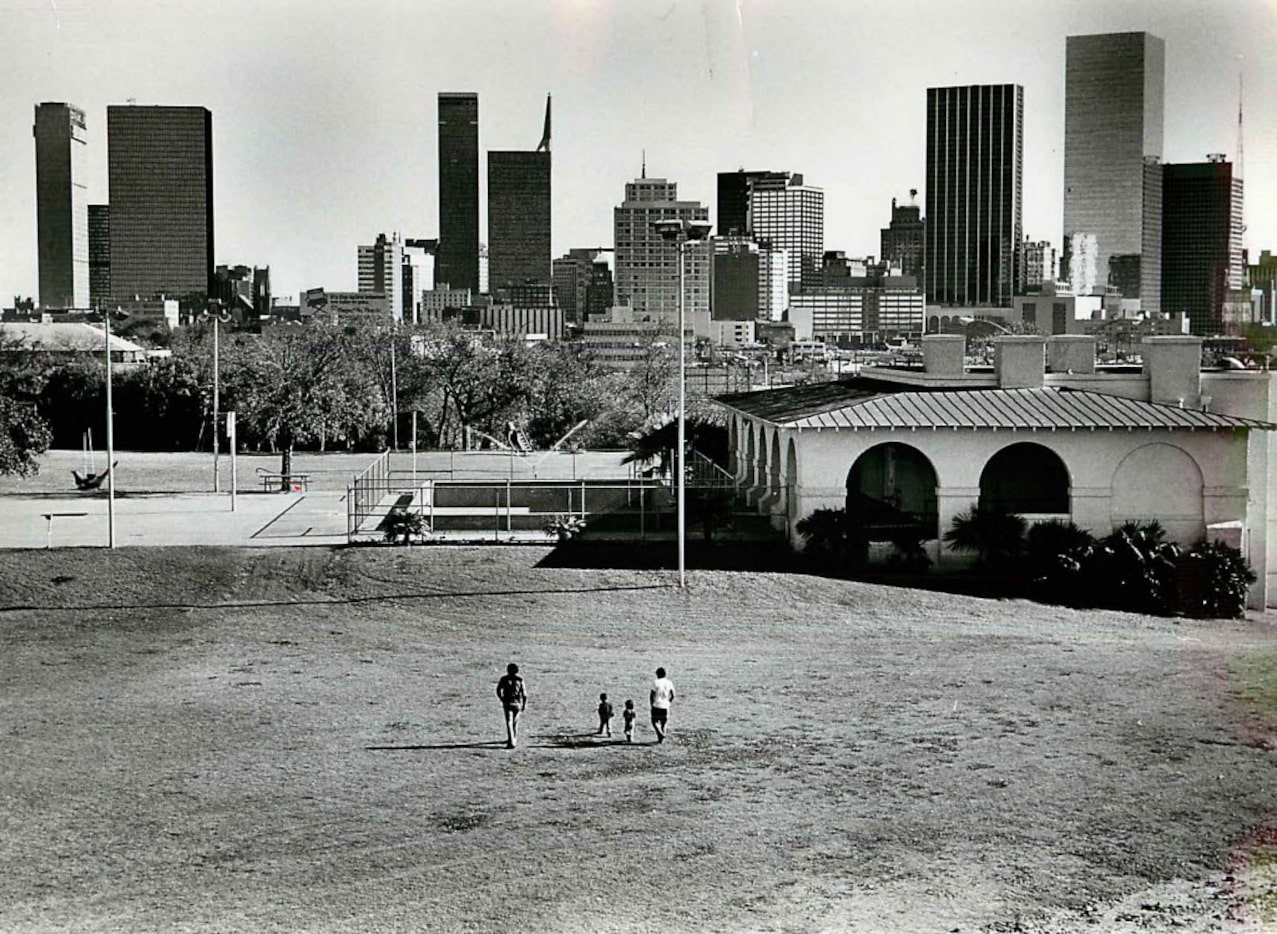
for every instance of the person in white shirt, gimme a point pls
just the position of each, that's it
(662, 697)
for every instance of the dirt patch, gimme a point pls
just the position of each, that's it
(275, 740)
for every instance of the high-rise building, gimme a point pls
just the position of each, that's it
(160, 171)
(381, 270)
(734, 289)
(61, 206)
(904, 240)
(1201, 241)
(733, 199)
(1038, 264)
(975, 144)
(418, 274)
(457, 262)
(1261, 279)
(519, 215)
(582, 284)
(1113, 100)
(786, 214)
(99, 253)
(647, 265)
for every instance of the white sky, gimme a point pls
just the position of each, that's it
(324, 111)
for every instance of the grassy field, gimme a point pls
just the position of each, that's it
(307, 740)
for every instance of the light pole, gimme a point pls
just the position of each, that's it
(110, 432)
(680, 231)
(218, 315)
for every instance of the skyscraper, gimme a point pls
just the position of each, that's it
(975, 144)
(62, 220)
(1112, 146)
(457, 262)
(381, 270)
(160, 170)
(519, 215)
(733, 200)
(99, 253)
(1201, 241)
(647, 264)
(786, 214)
(903, 242)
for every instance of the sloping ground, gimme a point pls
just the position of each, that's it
(282, 740)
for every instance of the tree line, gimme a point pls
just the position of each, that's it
(322, 387)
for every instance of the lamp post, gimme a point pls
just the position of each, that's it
(680, 232)
(213, 310)
(110, 431)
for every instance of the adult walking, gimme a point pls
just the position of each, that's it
(662, 698)
(514, 697)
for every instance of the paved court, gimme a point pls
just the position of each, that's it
(316, 518)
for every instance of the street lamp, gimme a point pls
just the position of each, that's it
(110, 428)
(680, 232)
(217, 315)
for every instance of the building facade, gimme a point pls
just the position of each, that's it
(1038, 264)
(903, 242)
(975, 143)
(518, 219)
(733, 199)
(787, 214)
(160, 172)
(99, 253)
(61, 206)
(1113, 103)
(1201, 241)
(381, 270)
(458, 258)
(647, 265)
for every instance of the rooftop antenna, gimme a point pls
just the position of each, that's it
(544, 145)
(644, 175)
(1241, 158)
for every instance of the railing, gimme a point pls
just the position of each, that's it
(364, 491)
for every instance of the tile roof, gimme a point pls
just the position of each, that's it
(870, 405)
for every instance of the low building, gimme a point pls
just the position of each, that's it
(68, 341)
(1045, 433)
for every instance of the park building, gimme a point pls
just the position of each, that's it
(1045, 432)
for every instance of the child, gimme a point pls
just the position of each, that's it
(605, 715)
(628, 716)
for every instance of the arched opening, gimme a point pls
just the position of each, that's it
(760, 474)
(891, 490)
(1025, 478)
(791, 483)
(733, 446)
(774, 486)
(748, 478)
(1161, 482)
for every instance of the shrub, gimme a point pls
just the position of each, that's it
(831, 540)
(400, 528)
(996, 537)
(1133, 568)
(1056, 553)
(909, 554)
(1212, 581)
(565, 526)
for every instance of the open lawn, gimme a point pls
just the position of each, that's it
(229, 740)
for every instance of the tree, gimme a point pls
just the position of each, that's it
(24, 436)
(299, 386)
(483, 382)
(995, 536)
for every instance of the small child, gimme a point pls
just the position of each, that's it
(628, 715)
(605, 715)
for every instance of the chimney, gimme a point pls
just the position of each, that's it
(1019, 360)
(1071, 353)
(942, 354)
(1172, 363)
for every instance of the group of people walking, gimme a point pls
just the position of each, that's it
(513, 694)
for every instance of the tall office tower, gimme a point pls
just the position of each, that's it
(61, 207)
(582, 284)
(418, 275)
(381, 270)
(1201, 241)
(647, 265)
(975, 143)
(1038, 267)
(773, 284)
(99, 253)
(457, 262)
(519, 215)
(788, 215)
(733, 199)
(160, 171)
(904, 241)
(734, 290)
(1113, 98)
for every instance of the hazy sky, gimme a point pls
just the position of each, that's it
(324, 111)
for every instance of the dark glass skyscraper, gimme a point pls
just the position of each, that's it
(733, 199)
(519, 216)
(99, 253)
(160, 170)
(1113, 99)
(457, 261)
(975, 144)
(62, 236)
(1201, 241)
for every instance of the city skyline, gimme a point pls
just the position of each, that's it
(314, 156)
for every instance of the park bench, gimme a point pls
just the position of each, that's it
(50, 516)
(297, 482)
